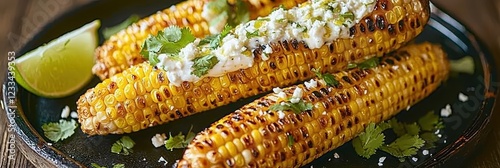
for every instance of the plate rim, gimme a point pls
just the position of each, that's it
(43, 149)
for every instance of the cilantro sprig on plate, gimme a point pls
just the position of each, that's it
(123, 146)
(180, 140)
(58, 131)
(411, 137)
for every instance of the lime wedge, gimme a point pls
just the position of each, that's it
(62, 66)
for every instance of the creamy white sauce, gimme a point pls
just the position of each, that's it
(315, 22)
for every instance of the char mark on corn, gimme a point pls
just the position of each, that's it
(142, 96)
(255, 136)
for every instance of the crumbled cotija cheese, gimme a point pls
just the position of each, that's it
(158, 140)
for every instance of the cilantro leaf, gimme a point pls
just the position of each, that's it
(430, 122)
(402, 128)
(232, 14)
(347, 15)
(180, 140)
(119, 165)
(169, 41)
(367, 143)
(406, 145)
(109, 31)
(59, 131)
(241, 13)
(369, 63)
(253, 34)
(351, 65)
(291, 140)
(328, 78)
(202, 65)
(95, 165)
(430, 139)
(297, 108)
(123, 146)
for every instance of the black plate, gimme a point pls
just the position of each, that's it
(462, 133)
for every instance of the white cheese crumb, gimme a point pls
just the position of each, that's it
(380, 164)
(268, 49)
(414, 159)
(297, 95)
(277, 90)
(439, 135)
(382, 159)
(65, 112)
(143, 159)
(282, 95)
(425, 152)
(73, 114)
(336, 155)
(158, 140)
(294, 100)
(324, 113)
(311, 84)
(162, 160)
(264, 57)
(281, 115)
(446, 112)
(408, 108)
(462, 97)
(50, 144)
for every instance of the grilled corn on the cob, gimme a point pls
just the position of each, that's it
(123, 49)
(142, 97)
(256, 136)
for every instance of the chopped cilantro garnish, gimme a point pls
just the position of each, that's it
(57, 131)
(215, 40)
(401, 129)
(430, 122)
(180, 140)
(119, 165)
(95, 165)
(291, 140)
(233, 14)
(203, 64)
(367, 143)
(406, 145)
(328, 78)
(297, 108)
(123, 146)
(253, 34)
(347, 15)
(170, 41)
(367, 64)
(109, 31)
(410, 137)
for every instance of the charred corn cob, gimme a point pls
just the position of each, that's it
(256, 136)
(122, 50)
(142, 97)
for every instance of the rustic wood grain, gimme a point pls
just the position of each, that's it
(21, 19)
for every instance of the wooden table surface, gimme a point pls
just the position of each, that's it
(20, 19)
